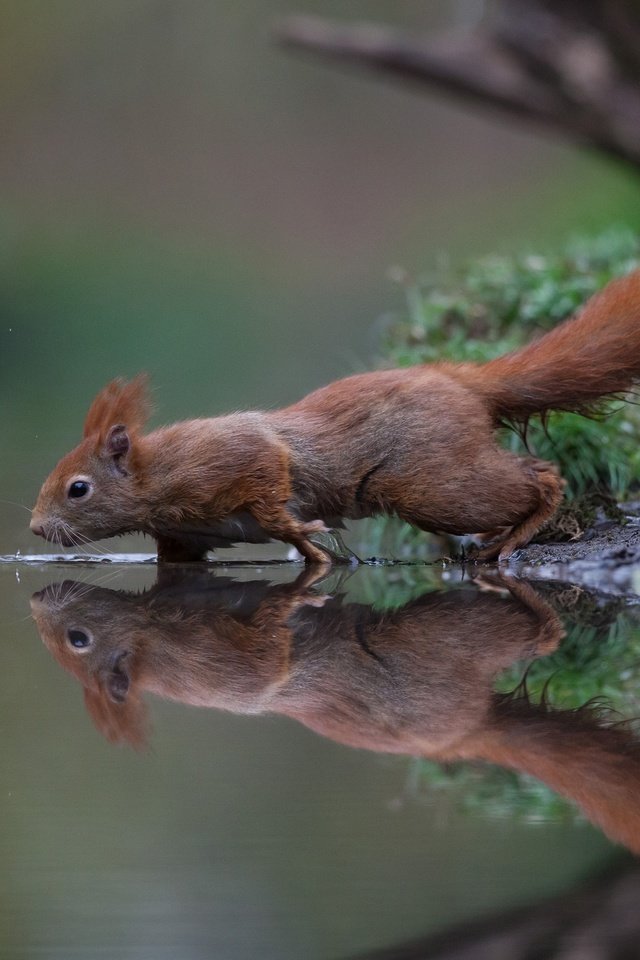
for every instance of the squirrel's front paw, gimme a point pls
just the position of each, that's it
(314, 526)
(314, 599)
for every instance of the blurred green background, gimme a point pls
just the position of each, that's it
(181, 196)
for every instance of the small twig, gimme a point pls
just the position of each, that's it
(500, 69)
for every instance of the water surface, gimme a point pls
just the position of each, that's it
(241, 761)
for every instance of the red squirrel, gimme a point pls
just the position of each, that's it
(415, 680)
(418, 443)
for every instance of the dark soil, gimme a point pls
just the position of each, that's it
(605, 557)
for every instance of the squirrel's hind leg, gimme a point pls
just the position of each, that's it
(550, 491)
(499, 534)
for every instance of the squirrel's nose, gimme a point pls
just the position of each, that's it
(37, 527)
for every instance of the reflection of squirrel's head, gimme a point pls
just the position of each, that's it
(95, 639)
(407, 680)
(194, 641)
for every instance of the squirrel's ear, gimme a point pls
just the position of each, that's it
(120, 409)
(118, 680)
(117, 444)
(119, 721)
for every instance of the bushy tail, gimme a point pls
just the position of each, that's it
(592, 356)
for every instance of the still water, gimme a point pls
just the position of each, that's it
(243, 761)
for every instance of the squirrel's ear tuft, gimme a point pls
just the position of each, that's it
(121, 403)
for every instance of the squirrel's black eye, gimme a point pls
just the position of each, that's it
(78, 638)
(79, 489)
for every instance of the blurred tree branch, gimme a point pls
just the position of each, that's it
(599, 919)
(572, 65)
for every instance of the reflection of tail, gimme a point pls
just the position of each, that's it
(593, 764)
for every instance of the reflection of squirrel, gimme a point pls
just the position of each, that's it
(418, 443)
(418, 680)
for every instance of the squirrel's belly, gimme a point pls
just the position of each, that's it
(238, 527)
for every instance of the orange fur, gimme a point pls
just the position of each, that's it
(418, 443)
(119, 403)
(417, 680)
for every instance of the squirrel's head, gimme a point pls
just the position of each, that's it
(93, 492)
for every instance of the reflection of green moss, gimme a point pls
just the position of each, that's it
(495, 305)
(597, 664)
(492, 791)
(391, 587)
(592, 663)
